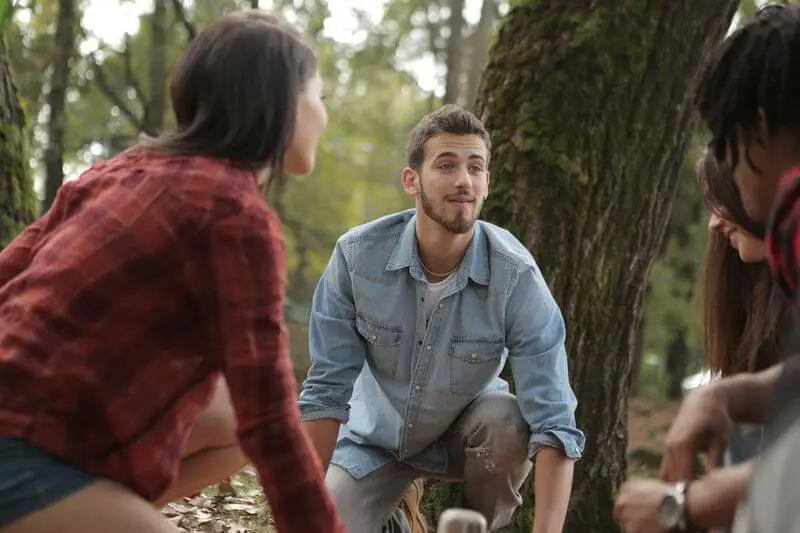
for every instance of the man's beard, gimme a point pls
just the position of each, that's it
(461, 223)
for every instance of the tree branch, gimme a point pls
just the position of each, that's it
(130, 79)
(180, 14)
(433, 28)
(111, 94)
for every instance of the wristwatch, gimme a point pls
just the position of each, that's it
(672, 514)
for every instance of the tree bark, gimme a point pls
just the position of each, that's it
(479, 50)
(455, 52)
(17, 200)
(57, 100)
(590, 108)
(156, 108)
(638, 357)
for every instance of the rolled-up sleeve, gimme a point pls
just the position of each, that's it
(337, 351)
(535, 336)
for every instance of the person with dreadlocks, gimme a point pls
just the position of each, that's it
(748, 100)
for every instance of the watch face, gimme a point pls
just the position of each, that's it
(669, 512)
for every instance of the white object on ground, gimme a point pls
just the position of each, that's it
(461, 521)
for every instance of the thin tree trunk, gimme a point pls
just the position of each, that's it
(300, 288)
(480, 50)
(590, 107)
(157, 103)
(679, 256)
(677, 363)
(17, 200)
(57, 100)
(455, 52)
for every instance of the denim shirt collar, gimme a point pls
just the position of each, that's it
(475, 264)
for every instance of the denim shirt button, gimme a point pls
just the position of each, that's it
(429, 348)
(416, 387)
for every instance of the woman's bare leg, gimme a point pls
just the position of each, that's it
(212, 452)
(102, 507)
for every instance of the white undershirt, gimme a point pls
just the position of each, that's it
(434, 294)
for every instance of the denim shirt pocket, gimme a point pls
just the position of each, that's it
(383, 344)
(474, 363)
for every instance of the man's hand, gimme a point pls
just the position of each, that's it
(637, 506)
(710, 502)
(705, 420)
(703, 425)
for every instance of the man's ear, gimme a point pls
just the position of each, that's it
(411, 181)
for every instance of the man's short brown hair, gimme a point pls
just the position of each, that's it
(447, 119)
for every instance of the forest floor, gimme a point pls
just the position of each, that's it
(239, 507)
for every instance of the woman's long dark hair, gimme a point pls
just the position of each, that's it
(746, 317)
(235, 91)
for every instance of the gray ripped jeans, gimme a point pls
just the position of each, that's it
(488, 453)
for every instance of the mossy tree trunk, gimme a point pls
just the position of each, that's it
(590, 109)
(17, 200)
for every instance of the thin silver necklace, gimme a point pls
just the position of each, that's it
(431, 272)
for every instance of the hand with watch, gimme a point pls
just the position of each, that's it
(672, 514)
(649, 506)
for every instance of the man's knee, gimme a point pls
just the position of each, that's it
(495, 423)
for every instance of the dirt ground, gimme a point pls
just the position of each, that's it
(239, 507)
(648, 423)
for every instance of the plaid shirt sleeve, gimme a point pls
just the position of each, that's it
(248, 259)
(15, 257)
(783, 236)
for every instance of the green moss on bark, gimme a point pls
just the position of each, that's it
(18, 204)
(17, 199)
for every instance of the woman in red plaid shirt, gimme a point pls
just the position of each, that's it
(153, 275)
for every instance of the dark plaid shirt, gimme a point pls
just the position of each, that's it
(783, 235)
(148, 276)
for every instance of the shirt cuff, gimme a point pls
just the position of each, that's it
(558, 439)
(309, 413)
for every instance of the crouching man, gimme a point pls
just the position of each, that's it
(413, 320)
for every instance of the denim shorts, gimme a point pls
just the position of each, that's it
(31, 480)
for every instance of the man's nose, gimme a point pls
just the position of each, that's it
(462, 178)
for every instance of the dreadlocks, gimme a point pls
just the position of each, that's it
(756, 69)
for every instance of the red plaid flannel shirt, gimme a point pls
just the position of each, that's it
(783, 236)
(149, 275)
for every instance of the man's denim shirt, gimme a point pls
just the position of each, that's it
(396, 385)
